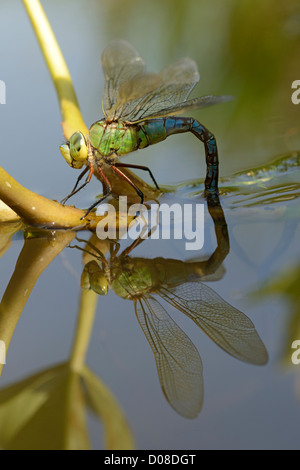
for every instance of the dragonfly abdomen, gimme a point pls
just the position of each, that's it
(159, 129)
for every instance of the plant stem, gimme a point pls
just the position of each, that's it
(36, 255)
(37, 210)
(86, 314)
(72, 118)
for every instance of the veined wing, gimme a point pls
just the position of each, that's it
(134, 96)
(120, 63)
(171, 86)
(177, 360)
(196, 103)
(229, 328)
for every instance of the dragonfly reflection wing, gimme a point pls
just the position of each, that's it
(229, 328)
(177, 360)
(190, 105)
(120, 63)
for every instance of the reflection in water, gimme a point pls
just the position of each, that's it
(61, 395)
(180, 285)
(267, 184)
(285, 284)
(48, 410)
(263, 194)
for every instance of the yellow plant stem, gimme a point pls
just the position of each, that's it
(72, 118)
(71, 115)
(37, 210)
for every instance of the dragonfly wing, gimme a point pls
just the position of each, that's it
(190, 105)
(120, 63)
(132, 94)
(177, 360)
(229, 328)
(173, 85)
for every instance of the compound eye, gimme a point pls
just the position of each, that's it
(94, 278)
(65, 151)
(78, 147)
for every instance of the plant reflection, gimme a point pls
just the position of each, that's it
(48, 410)
(179, 284)
(285, 284)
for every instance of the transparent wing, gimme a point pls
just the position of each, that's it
(120, 63)
(177, 360)
(172, 86)
(196, 103)
(132, 94)
(229, 328)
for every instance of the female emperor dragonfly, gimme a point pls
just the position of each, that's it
(140, 109)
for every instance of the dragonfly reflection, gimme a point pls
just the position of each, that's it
(179, 284)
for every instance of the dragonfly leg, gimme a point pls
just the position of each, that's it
(108, 191)
(133, 245)
(138, 167)
(95, 253)
(126, 178)
(114, 249)
(75, 189)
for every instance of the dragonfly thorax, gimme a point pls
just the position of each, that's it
(115, 138)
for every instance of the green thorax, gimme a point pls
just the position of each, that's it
(116, 138)
(135, 277)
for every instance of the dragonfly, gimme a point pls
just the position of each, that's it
(180, 284)
(140, 109)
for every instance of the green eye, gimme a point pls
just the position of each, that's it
(78, 147)
(65, 151)
(75, 151)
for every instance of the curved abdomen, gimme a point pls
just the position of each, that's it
(156, 130)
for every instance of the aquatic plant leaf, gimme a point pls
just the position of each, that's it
(45, 411)
(118, 435)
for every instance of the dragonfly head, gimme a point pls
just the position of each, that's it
(75, 151)
(93, 277)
